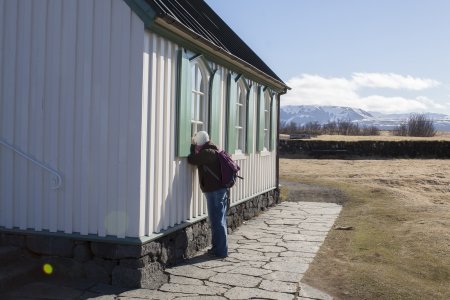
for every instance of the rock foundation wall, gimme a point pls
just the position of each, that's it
(389, 149)
(129, 265)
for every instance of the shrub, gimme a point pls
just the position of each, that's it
(370, 130)
(417, 125)
(341, 127)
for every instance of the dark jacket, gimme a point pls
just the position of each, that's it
(207, 157)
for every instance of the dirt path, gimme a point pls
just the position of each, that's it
(302, 192)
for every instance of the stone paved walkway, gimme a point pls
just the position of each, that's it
(268, 257)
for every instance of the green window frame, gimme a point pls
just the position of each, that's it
(273, 123)
(267, 119)
(184, 100)
(238, 117)
(199, 96)
(198, 100)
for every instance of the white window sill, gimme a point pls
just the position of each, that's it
(265, 152)
(239, 156)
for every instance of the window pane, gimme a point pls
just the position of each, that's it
(201, 108)
(199, 105)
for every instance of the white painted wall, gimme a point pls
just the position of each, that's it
(171, 191)
(70, 87)
(85, 91)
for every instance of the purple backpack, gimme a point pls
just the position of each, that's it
(228, 170)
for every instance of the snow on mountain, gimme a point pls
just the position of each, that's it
(303, 114)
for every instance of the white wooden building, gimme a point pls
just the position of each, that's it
(98, 101)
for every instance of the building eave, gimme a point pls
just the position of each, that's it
(172, 25)
(172, 29)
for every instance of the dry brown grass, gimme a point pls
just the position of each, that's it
(384, 136)
(400, 209)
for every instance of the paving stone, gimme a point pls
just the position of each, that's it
(272, 241)
(92, 296)
(246, 257)
(236, 280)
(78, 283)
(263, 248)
(224, 269)
(314, 227)
(311, 233)
(297, 254)
(281, 229)
(192, 289)
(201, 298)
(287, 267)
(191, 271)
(294, 237)
(279, 286)
(248, 251)
(150, 294)
(298, 259)
(96, 273)
(247, 242)
(209, 264)
(272, 255)
(284, 276)
(301, 246)
(255, 235)
(308, 291)
(249, 293)
(215, 284)
(45, 290)
(107, 289)
(316, 238)
(184, 280)
(250, 271)
(152, 276)
(282, 221)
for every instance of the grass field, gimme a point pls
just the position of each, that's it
(399, 247)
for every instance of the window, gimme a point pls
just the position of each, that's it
(199, 107)
(241, 118)
(266, 121)
(195, 99)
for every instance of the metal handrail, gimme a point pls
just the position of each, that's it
(55, 181)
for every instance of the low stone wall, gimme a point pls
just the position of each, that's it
(129, 265)
(344, 149)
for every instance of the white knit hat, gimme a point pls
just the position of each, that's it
(201, 138)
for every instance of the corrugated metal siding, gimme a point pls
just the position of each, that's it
(70, 86)
(79, 94)
(172, 189)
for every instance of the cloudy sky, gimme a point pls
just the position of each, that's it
(390, 56)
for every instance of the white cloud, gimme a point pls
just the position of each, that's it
(316, 90)
(392, 81)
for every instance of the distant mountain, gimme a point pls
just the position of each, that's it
(303, 114)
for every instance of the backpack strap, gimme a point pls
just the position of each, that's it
(212, 173)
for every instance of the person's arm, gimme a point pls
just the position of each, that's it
(204, 157)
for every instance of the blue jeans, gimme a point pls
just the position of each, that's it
(217, 214)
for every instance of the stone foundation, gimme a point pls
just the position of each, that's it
(131, 266)
(356, 149)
